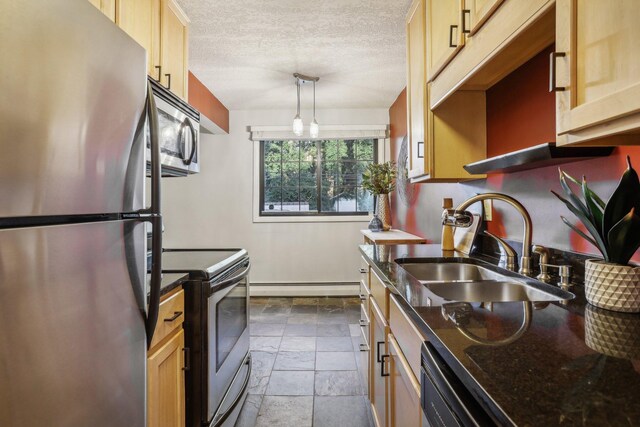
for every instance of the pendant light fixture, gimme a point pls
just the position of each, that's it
(314, 129)
(298, 125)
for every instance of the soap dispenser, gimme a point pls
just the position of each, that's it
(447, 228)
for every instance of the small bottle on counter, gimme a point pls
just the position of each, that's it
(447, 229)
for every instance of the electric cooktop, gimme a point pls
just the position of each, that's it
(201, 263)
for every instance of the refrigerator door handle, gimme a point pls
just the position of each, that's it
(154, 216)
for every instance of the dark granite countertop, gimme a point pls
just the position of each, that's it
(574, 365)
(170, 281)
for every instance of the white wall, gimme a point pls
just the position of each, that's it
(214, 208)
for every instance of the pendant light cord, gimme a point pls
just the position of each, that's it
(314, 100)
(298, 93)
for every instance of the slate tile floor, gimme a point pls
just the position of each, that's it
(305, 355)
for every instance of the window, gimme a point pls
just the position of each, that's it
(315, 177)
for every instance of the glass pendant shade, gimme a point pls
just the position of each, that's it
(314, 129)
(298, 126)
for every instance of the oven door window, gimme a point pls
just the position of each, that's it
(231, 321)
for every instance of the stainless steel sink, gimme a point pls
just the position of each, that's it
(488, 290)
(449, 272)
(474, 283)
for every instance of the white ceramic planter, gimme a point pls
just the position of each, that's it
(612, 286)
(613, 334)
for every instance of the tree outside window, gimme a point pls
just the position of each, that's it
(315, 177)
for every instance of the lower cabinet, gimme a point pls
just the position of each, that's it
(165, 384)
(166, 363)
(404, 389)
(378, 372)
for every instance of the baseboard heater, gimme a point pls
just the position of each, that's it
(315, 289)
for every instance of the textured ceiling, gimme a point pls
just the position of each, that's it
(245, 51)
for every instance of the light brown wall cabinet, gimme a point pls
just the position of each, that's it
(165, 366)
(162, 28)
(597, 69)
(444, 33)
(477, 12)
(441, 141)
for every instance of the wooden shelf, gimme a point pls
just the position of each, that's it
(391, 237)
(535, 157)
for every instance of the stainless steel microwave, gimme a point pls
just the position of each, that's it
(179, 130)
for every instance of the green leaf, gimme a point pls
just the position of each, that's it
(580, 232)
(596, 212)
(575, 200)
(587, 223)
(596, 198)
(625, 197)
(624, 238)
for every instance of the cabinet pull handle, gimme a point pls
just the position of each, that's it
(364, 347)
(378, 350)
(421, 149)
(362, 297)
(168, 76)
(176, 314)
(187, 359)
(159, 68)
(364, 322)
(382, 372)
(465, 12)
(552, 71)
(451, 28)
(363, 270)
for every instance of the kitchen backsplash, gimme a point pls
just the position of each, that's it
(520, 113)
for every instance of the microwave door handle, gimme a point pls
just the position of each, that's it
(187, 124)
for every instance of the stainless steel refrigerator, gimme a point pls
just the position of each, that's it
(75, 315)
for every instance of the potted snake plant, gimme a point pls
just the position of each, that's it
(614, 228)
(380, 179)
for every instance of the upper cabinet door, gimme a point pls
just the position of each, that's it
(444, 33)
(476, 13)
(597, 68)
(141, 20)
(174, 34)
(416, 91)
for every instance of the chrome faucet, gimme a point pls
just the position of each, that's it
(525, 260)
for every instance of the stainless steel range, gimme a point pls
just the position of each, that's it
(217, 331)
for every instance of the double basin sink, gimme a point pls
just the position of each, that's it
(461, 281)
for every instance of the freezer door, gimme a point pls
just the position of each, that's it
(73, 94)
(72, 329)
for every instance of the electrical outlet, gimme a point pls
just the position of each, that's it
(487, 209)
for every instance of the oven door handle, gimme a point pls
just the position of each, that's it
(237, 399)
(234, 278)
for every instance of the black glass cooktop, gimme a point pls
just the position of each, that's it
(201, 263)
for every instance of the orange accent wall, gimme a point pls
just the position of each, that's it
(520, 108)
(204, 101)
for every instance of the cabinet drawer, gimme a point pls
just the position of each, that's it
(170, 316)
(406, 334)
(404, 396)
(380, 293)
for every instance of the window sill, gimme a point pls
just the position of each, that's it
(313, 218)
